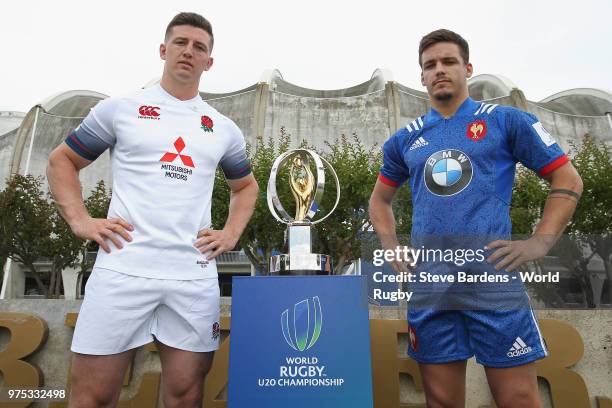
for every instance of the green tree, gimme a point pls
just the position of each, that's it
(591, 225)
(33, 231)
(528, 198)
(592, 222)
(263, 234)
(63, 249)
(26, 223)
(97, 204)
(344, 234)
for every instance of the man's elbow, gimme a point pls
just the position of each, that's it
(253, 188)
(249, 189)
(255, 193)
(579, 184)
(52, 163)
(374, 205)
(575, 182)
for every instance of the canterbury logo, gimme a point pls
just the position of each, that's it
(148, 112)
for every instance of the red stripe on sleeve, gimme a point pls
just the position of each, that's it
(387, 181)
(555, 164)
(78, 142)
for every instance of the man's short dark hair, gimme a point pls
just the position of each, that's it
(192, 19)
(444, 35)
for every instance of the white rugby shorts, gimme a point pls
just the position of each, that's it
(121, 312)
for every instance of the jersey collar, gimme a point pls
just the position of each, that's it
(468, 107)
(196, 100)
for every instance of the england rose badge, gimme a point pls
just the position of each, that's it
(207, 124)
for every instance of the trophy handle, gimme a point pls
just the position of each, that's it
(333, 172)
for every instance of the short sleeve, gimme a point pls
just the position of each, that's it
(532, 144)
(234, 162)
(96, 133)
(394, 170)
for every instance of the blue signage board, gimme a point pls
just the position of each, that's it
(300, 341)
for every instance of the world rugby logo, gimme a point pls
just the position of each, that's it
(448, 172)
(302, 328)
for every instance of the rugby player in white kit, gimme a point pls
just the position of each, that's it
(155, 277)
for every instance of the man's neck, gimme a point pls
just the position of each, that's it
(448, 108)
(184, 92)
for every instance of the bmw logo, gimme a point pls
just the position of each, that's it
(448, 172)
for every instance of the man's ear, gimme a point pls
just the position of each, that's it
(210, 63)
(470, 70)
(422, 79)
(162, 51)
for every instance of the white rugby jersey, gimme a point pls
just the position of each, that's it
(164, 153)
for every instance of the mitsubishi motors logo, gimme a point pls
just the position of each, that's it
(179, 145)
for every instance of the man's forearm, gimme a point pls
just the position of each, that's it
(65, 186)
(241, 207)
(559, 208)
(383, 220)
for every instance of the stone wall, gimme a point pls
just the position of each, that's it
(567, 333)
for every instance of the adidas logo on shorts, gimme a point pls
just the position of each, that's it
(519, 348)
(420, 142)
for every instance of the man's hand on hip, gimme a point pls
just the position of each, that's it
(215, 241)
(513, 254)
(100, 230)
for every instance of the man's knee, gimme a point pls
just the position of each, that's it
(86, 391)
(519, 397)
(189, 395)
(439, 397)
(87, 394)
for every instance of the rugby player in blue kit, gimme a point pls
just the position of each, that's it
(459, 160)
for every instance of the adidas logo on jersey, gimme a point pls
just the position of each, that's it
(485, 108)
(420, 142)
(519, 348)
(416, 124)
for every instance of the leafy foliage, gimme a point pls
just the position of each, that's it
(263, 233)
(33, 231)
(342, 234)
(97, 206)
(591, 225)
(357, 169)
(26, 221)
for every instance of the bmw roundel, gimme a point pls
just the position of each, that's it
(448, 172)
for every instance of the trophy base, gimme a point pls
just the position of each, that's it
(300, 264)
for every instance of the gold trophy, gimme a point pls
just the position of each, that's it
(307, 189)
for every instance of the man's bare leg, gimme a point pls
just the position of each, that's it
(183, 375)
(515, 387)
(96, 380)
(444, 384)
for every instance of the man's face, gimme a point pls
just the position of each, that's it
(187, 53)
(443, 71)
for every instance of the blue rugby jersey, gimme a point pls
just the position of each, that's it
(461, 170)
